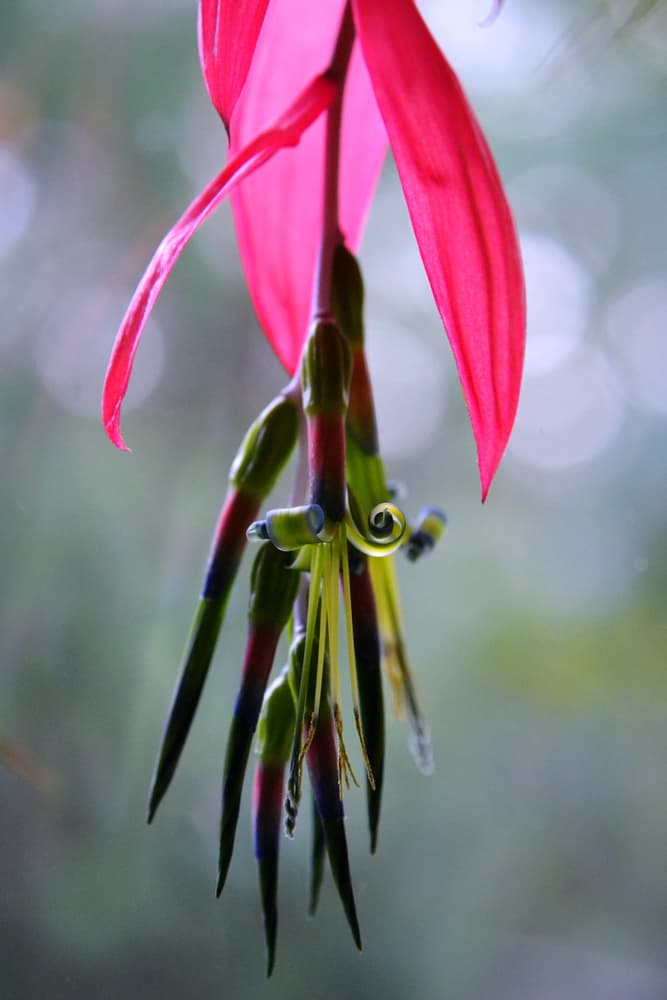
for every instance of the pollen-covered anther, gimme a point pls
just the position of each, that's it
(364, 752)
(346, 773)
(430, 527)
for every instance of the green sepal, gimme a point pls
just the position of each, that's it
(325, 371)
(275, 729)
(273, 587)
(347, 295)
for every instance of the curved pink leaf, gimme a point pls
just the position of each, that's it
(278, 213)
(286, 130)
(227, 34)
(459, 213)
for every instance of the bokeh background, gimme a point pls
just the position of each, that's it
(532, 864)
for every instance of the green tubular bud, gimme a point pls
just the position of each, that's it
(266, 447)
(290, 528)
(347, 295)
(275, 729)
(273, 588)
(325, 371)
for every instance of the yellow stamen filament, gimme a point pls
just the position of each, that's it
(300, 748)
(386, 589)
(330, 595)
(383, 573)
(345, 772)
(319, 676)
(388, 633)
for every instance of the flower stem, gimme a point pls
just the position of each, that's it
(331, 235)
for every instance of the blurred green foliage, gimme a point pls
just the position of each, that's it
(532, 864)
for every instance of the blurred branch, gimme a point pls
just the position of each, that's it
(26, 765)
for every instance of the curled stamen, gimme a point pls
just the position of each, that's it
(387, 523)
(386, 529)
(381, 522)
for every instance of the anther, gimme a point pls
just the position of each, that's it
(289, 528)
(430, 526)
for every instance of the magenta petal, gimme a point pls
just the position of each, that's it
(227, 32)
(286, 130)
(278, 213)
(459, 213)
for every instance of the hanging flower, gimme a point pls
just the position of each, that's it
(312, 94)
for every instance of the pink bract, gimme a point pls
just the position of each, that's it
(227, 33)
(459, 213)
(255, 57)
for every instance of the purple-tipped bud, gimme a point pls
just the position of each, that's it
(226, 551)
(369, 678)
(267, 803)
(322, 759)
(274, 732)
(317, 852)
(262, 455)
(273, 592)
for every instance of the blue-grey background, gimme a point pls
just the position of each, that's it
(532, 864)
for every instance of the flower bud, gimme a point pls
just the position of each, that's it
(262, 455)
(266, 447)
(274, 743)
(273, 592)
(322, 759)
(368, 657)
(267, 801)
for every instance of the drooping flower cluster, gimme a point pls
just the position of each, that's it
(326, 87)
